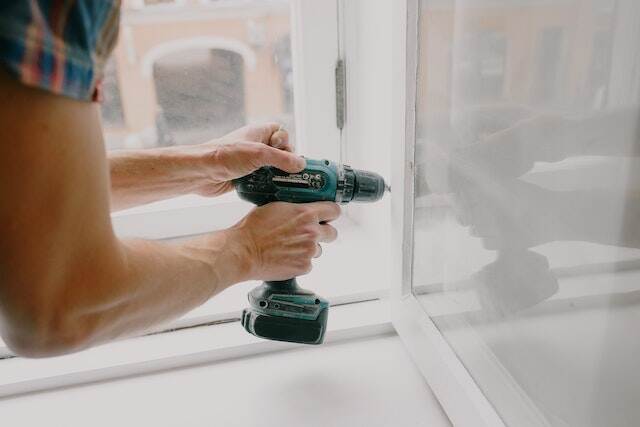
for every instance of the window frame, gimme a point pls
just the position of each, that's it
(176, 349)
(460, 396)
(314, 37)
(459, 393)
(353, 316)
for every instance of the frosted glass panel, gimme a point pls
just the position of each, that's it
(527, 208)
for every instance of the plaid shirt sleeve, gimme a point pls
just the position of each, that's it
(58, 45)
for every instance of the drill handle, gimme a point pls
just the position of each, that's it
(285, 286)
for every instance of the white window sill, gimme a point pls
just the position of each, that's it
(180, 216)
(170, 350)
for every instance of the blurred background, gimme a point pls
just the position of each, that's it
(187, 71)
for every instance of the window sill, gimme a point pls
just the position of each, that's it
(180, 216)
(178, 349)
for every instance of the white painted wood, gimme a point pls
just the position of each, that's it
(155, 353)
(179, 217)
(462, 400)
(359, 383)
(314, 40)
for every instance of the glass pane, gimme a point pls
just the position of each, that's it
(188, 71)
(527, 208)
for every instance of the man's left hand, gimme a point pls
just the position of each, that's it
(243, 151)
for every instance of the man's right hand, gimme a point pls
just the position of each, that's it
(279, 240)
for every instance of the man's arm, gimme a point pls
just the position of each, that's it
(144, 176)
(66, 281)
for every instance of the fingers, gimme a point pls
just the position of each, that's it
(318, 251)
(328, 233)
(325, 211)
(275, 135)
(280, 139)
(285, 160)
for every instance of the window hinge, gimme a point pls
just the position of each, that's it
(341, 93)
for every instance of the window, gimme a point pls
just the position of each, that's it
(190, 71)
(481, 72)
(158, 2)
(192, 75)
(200, 95)
(521, 217)
(112, 114)
(550, 53)
(227, 64)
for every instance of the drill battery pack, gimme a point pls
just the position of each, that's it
(286, 328)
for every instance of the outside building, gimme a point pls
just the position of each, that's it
(187, 71)
(535, 52)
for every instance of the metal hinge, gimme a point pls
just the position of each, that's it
(341, 93)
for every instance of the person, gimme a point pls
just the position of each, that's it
(66, 281)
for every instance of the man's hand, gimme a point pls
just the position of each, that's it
(144, 176)
(280, 239)
(243, 151)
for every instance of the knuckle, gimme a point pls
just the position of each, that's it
(258, 150)
(307, 267)
(299, 208)
(308, 215)
(333, 233)
(312, 233)
(309, 248)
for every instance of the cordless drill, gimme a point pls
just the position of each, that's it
(281, 310)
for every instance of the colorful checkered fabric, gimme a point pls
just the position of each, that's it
(58, 45)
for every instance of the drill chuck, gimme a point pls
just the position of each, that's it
(358, 185)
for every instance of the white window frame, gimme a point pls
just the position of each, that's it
(168, 350)
(460, 396)
(314, 35)
(219, 336)
(459, 393)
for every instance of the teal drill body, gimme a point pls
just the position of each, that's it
(282, 310)
(317, 182)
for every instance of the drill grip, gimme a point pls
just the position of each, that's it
(285, 286)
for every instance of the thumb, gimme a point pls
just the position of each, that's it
(285, 160)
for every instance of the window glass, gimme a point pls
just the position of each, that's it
(527, 206)
(187, 71)
(210, 101)
(112, 114)
(196, 71)
(199, 69)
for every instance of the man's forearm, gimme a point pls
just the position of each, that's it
(160, 282)
(126, 289)
(145, 176)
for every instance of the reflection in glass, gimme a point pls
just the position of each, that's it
(527, 209)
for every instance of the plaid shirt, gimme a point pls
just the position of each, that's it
(58, 45)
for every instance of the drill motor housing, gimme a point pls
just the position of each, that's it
(282, 310)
